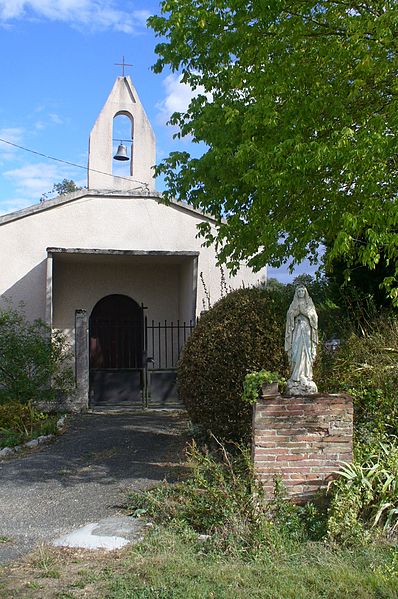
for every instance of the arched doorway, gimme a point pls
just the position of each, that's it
(116, 332)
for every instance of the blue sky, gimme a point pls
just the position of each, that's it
(57, 68)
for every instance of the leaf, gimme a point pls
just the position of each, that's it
(297, 111)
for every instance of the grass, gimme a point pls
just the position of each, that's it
(171, 564)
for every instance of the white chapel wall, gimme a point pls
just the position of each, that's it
(105, 222)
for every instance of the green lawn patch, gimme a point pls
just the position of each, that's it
(169, 564)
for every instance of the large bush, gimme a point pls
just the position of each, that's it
(34, 362)
(243, 332)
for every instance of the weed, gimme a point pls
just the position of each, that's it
(222, 500)
(365, 495)
(10, 438)
(47, 563)
(4, 539)
(22, 422)
(32, 584)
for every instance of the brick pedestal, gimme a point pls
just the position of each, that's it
(301, 440)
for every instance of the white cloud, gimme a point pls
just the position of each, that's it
(13, 135)
(33, 180)
(55, 118)
(178, 97)
(92, 14)
(46, 120)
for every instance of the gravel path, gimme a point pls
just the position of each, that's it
(84, 474)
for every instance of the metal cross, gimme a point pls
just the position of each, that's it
(123, 64)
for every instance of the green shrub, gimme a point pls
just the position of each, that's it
(242, 333)
(33, 360)
(366, 366)
(365, 496)
(21, 422)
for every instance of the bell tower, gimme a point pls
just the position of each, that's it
(141, 149)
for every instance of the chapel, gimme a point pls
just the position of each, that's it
(123, 275)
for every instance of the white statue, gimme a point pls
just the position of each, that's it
(301, 339)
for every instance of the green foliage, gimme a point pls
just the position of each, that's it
(33, 361)
(242, 333)
(300, 129)
(366, 366)
(296, 522)
(254, 381)
(22, 422)
(64, 186)
(170, 565)
(365, 495)
(218, 492)
(358, 285)
(222, 498)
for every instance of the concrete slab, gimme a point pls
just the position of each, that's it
(109, 533)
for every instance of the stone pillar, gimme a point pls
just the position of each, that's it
(301, 440)
(81, 359)
(49, 291)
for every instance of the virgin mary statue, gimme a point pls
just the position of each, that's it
(301, 339)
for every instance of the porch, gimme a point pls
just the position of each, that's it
(127, 314)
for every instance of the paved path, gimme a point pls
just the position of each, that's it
(83, 476)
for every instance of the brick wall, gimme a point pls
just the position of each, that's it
(301, 440)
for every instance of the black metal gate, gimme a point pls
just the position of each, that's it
(132, 361)
(164, 342)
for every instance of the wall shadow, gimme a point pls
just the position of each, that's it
(31, 290)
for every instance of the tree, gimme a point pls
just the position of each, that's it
(365, 285)
(64, 186)
(297, 104)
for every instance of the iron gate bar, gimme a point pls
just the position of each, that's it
(164, 342)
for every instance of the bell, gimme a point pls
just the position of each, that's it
(121, 153)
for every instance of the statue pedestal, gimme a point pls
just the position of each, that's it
(301, 440)
(300, 388)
